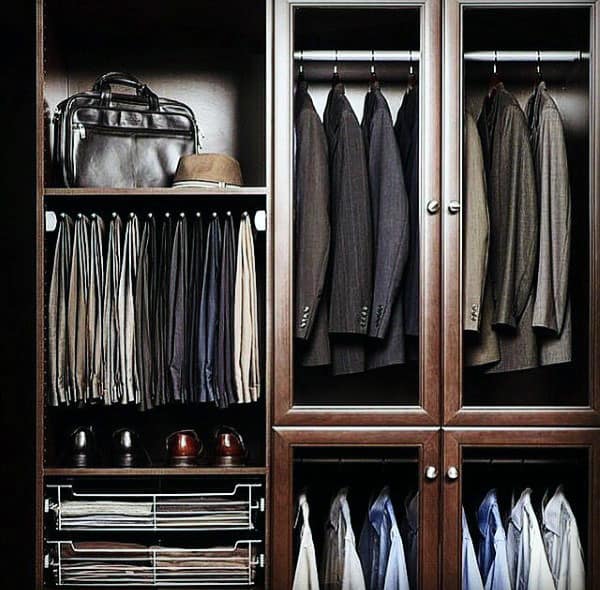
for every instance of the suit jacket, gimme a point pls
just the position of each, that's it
(481, 342)
(312, 229)
(352, 239)
(552, 308)
(389, 207)
(407, 135)
(513, 208)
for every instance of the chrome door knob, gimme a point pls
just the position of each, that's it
(453, 207)
(431, 472)
(452, 472)
(433, 206)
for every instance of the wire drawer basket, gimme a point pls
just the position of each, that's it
(122, 511)
(116, 564)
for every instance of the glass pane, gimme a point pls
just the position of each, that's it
(356, 316)
(378, 485)
(526, 216)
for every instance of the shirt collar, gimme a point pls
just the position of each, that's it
(516, 516)
(381, 508)
(488, 513)
(553, 510)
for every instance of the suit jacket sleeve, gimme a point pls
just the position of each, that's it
(477, 227)
(312, 219)
(513, 204)
(555, 225)
(390, 219)
(351, 280)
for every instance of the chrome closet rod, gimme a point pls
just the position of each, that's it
(526, 55)
(523, 461)
(352, 460)
(356, 55)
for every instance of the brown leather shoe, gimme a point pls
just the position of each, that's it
(184, 448)
(230, 450)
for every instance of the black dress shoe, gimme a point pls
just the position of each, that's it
(127, 449)
(83, 451)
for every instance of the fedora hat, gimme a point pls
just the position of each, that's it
(207, 170)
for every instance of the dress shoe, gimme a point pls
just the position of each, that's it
(83, 451)
(184, 448)
(127, 449)
(229, 447)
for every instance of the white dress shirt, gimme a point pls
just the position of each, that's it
(563, 546)
(471, 576)
(306, 576)
(527, 562)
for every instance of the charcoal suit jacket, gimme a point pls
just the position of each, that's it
(389, 207)
(312, 232)
(352, 235)
(514, 226)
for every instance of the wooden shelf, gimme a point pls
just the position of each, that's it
(151, 471)
(246, 191)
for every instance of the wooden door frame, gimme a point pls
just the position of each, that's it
(428, 412)
(283, 507)
(454, 413)
(453, 442)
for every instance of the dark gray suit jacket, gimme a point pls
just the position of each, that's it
(312, 231)
(407, 135)
(389, 206)
(514, 221)
(352, 243)
(552, 308)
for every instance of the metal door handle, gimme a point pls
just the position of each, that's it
(453, 207)
(431, 472)
(433, 206)
(452, 472)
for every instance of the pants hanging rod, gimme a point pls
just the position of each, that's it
(356, 55)
(517, 461)
(348, 460)
(491, 56)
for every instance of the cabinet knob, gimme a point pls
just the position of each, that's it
(433, 206)
(431, 472)
(453, 207)
(452, 472)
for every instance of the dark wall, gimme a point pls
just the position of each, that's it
(17, 238)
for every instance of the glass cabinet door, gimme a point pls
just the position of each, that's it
(356, 211)
(507, 478)
(520, 225)
(368, 476)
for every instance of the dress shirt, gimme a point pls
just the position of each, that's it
(409, 528)
(381, 549)
(528, 564)
(471, 576)
(306, 576)
(563, 545)
(491, 553)
(341, 565)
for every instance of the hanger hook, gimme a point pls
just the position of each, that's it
(301, 65)
(335, 63)
(495, 66)
(539, 63)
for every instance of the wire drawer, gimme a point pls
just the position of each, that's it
(119, 564)
(124, 511)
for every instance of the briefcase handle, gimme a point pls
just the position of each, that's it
(104, 83)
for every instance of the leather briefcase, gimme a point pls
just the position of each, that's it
(103, 139)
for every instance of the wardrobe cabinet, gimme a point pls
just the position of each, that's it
(438, 430)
